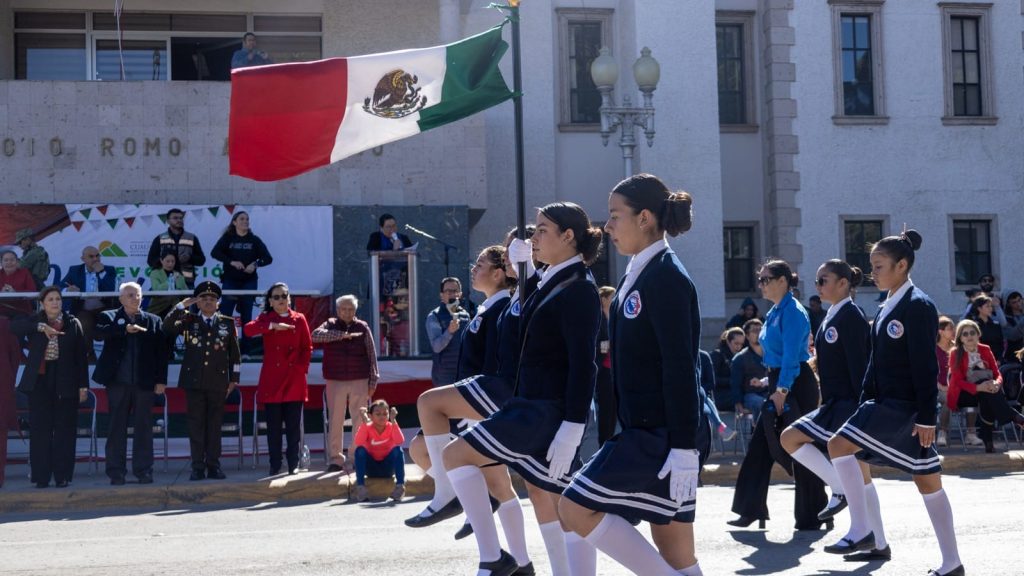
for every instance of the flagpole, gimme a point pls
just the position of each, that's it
(517, 105)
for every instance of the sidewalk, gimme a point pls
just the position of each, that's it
(172, 489)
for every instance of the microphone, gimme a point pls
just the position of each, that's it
(418, 231)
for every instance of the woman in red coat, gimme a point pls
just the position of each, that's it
(974, 380)
(287, 348)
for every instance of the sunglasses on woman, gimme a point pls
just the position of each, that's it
(278, 296)
(762, 280)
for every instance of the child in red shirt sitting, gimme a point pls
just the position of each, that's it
(379, 450)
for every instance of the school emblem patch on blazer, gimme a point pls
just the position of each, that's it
(831, 335)
(632, 306)
(894, 329)
(516, 308)
(474, 326)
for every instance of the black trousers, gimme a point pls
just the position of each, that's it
(991, 407)
(128, 400)
(205, 418)
(52, 422)
(289, 414)
(751, 496)
(607, 410)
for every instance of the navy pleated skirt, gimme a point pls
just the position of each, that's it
(486, 394)
(819, 425)
(883, 430)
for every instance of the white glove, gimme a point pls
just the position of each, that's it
(684, 466)
(521, 252)
(563, 449)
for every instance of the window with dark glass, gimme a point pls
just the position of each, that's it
(732, 105)
(584, 45)
(858, 81)
(966, 60)
(49, 56)
(972, 250)
(738, 247)
(858, 237)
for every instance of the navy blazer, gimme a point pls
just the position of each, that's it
(559, 342)
(151, 367)
(377, 242)
(903, 365)
(655, 332)
(842, 350)
(76, 277)
(478, 351)
(509, 345)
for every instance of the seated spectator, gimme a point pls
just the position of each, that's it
(983, 312)
(387, 238)
(604, 392)
(730, 342)
(749, 376)
(707, 381)
(943, 345)
(1013, 329)
(748, 311)
(33, 257)
(379, 450)
(13, 278)
(163, 279)
(974, 380)
(89, 276)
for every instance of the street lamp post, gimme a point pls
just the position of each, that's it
(604, 70)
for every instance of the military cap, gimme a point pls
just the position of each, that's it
(208, 287)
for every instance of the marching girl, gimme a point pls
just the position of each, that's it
(841, 347)
(649, 470)
(895, 424)
(794, 392)
(539, 430)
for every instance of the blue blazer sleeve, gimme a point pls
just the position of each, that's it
(856, 343)
(796, 330)
(922, 324)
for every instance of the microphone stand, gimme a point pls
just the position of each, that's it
(447, 246)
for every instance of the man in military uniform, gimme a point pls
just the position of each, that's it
(209, 372)
(33, 257)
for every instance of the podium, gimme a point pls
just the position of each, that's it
(393, 294)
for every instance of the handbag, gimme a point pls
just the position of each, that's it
(979, 376)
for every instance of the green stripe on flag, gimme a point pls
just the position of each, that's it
(472, 80)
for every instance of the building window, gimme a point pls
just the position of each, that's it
(733, 44)
(858, 238)
(738, 247)
(972, 250)
(967, 58)
(581, 34)
(857, 51)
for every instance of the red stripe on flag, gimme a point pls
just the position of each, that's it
(285, 117)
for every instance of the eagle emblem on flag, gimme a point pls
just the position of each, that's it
(395, 96)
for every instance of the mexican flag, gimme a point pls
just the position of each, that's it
(287, 119)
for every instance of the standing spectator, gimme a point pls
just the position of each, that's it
(378, 451)
(56, 379)
(164, 279)
(983, 311)
(748, 311)
(350, 370)
(133, 367)
(445, 325)
(943, 346)
(241, 252)
(209, 372)
(185, 244)
(749, 383)
(287, 348)
(33, 257)
(13, 278)
(1013, 329)
(604, 393)
(730, 343)
(248, 55)
(815, 312)
(387, 238)
(89, 276)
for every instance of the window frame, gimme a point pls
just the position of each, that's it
(993, 247)
(982, 11)
(565, 17)
(753, 227)
(744, 19)
(883, 219)
(872, 9)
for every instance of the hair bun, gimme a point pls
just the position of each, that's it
(676, 214)
(856, 276)
(913, 238)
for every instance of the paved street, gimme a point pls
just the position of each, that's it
(338, 538)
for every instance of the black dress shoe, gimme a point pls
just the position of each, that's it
(525, 570)
(958, 571)
(831, 510)
(464, 531)
(197, 474)
(117, 481)
(145, 478)
(275, 471)
(42, 484)
(62, 484)
(215, 474)
(334, 468)
(884, 554)
(847, 546)
(505, 565)
(450, 510)
(746, 521)
(293, 471)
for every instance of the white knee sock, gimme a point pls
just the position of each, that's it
(875, 516)
(941, 515)
(512, 524)
(815, 461)
(581, 554)
(471, 488)
(443, 492)
(429, 471)
(623, 543)
(691, 571)
(852, 481)
(554, 543)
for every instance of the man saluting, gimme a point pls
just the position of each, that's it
(209, 373)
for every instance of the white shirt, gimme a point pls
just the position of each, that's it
(891, 302)
(640, 261)
(552, 270)
(490, 301)
(834, 309)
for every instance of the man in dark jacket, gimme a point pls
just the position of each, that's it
(133, 367)
(89, 276)
(185, 244)
(209, 373)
